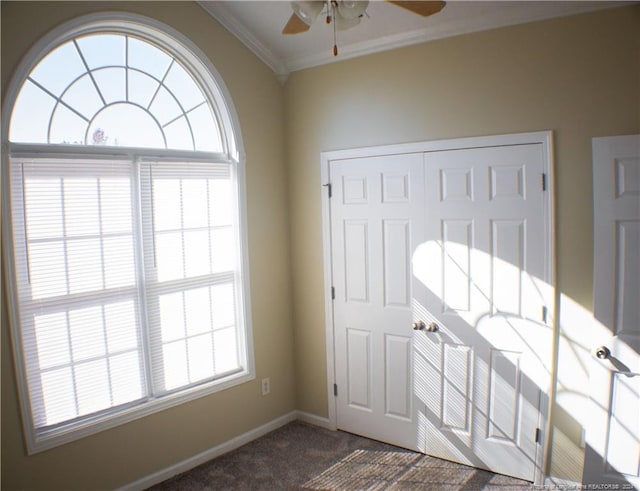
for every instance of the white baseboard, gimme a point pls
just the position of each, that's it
(212, 453)
(316, 420)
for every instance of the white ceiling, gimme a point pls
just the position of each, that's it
(258, 24)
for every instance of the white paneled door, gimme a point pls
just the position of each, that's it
(479, 276)
(372, 215)
(439, 261)
(613, 432)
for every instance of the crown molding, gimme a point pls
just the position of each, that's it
(231, 24)
(356, 50)
(283, 67)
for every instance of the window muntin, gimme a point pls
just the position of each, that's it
(130, 304)
(114, 90)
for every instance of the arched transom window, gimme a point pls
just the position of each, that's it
(130, 286)
(118, 90)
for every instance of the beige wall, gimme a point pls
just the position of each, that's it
(579, 77)
(129, 452)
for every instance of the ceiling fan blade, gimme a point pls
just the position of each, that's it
(295, 25)
(424, 9)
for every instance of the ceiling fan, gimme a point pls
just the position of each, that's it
(345, 14)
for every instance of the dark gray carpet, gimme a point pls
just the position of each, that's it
(299, 456)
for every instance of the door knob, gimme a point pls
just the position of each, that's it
(603, 353)
(421, 326)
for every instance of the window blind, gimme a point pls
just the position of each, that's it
(128, 281)
(191, 272)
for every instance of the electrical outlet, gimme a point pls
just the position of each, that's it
(266, 386)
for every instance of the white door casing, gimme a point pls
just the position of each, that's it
(485, 369)
(612, 454)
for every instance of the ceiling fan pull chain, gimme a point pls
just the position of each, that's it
(335, 42)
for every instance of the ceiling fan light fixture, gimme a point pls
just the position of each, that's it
(342, 23)
(345, 14)
(307, 11)
(352, 9)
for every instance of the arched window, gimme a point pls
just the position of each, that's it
(116, 90)
(130, 289)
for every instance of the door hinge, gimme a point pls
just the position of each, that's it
(544, 181)
(538, 434)
(333, 293)
(544, 314)
(329, 190)
(335, 390)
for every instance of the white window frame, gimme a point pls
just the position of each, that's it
(211, 82)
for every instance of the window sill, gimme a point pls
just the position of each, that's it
(46, 440)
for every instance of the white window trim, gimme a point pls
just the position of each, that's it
(211, 82)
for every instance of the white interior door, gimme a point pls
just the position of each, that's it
(613, 433)
(372, 239)
(456, 238)
(480, 276)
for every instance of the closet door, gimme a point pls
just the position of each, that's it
(440, 265)
(373, 215)
(479, 283)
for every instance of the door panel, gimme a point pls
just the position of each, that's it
(356, 243)
(623, 451)
(628, 283)
(397, 379)
(396, 255)
(613, 432)
(457, 380)
(457, 239)
(507, 265)
(504, 400)
(359, 369)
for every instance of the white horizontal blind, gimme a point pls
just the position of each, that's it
(192, 268)
(129, 282)
(75, 243)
